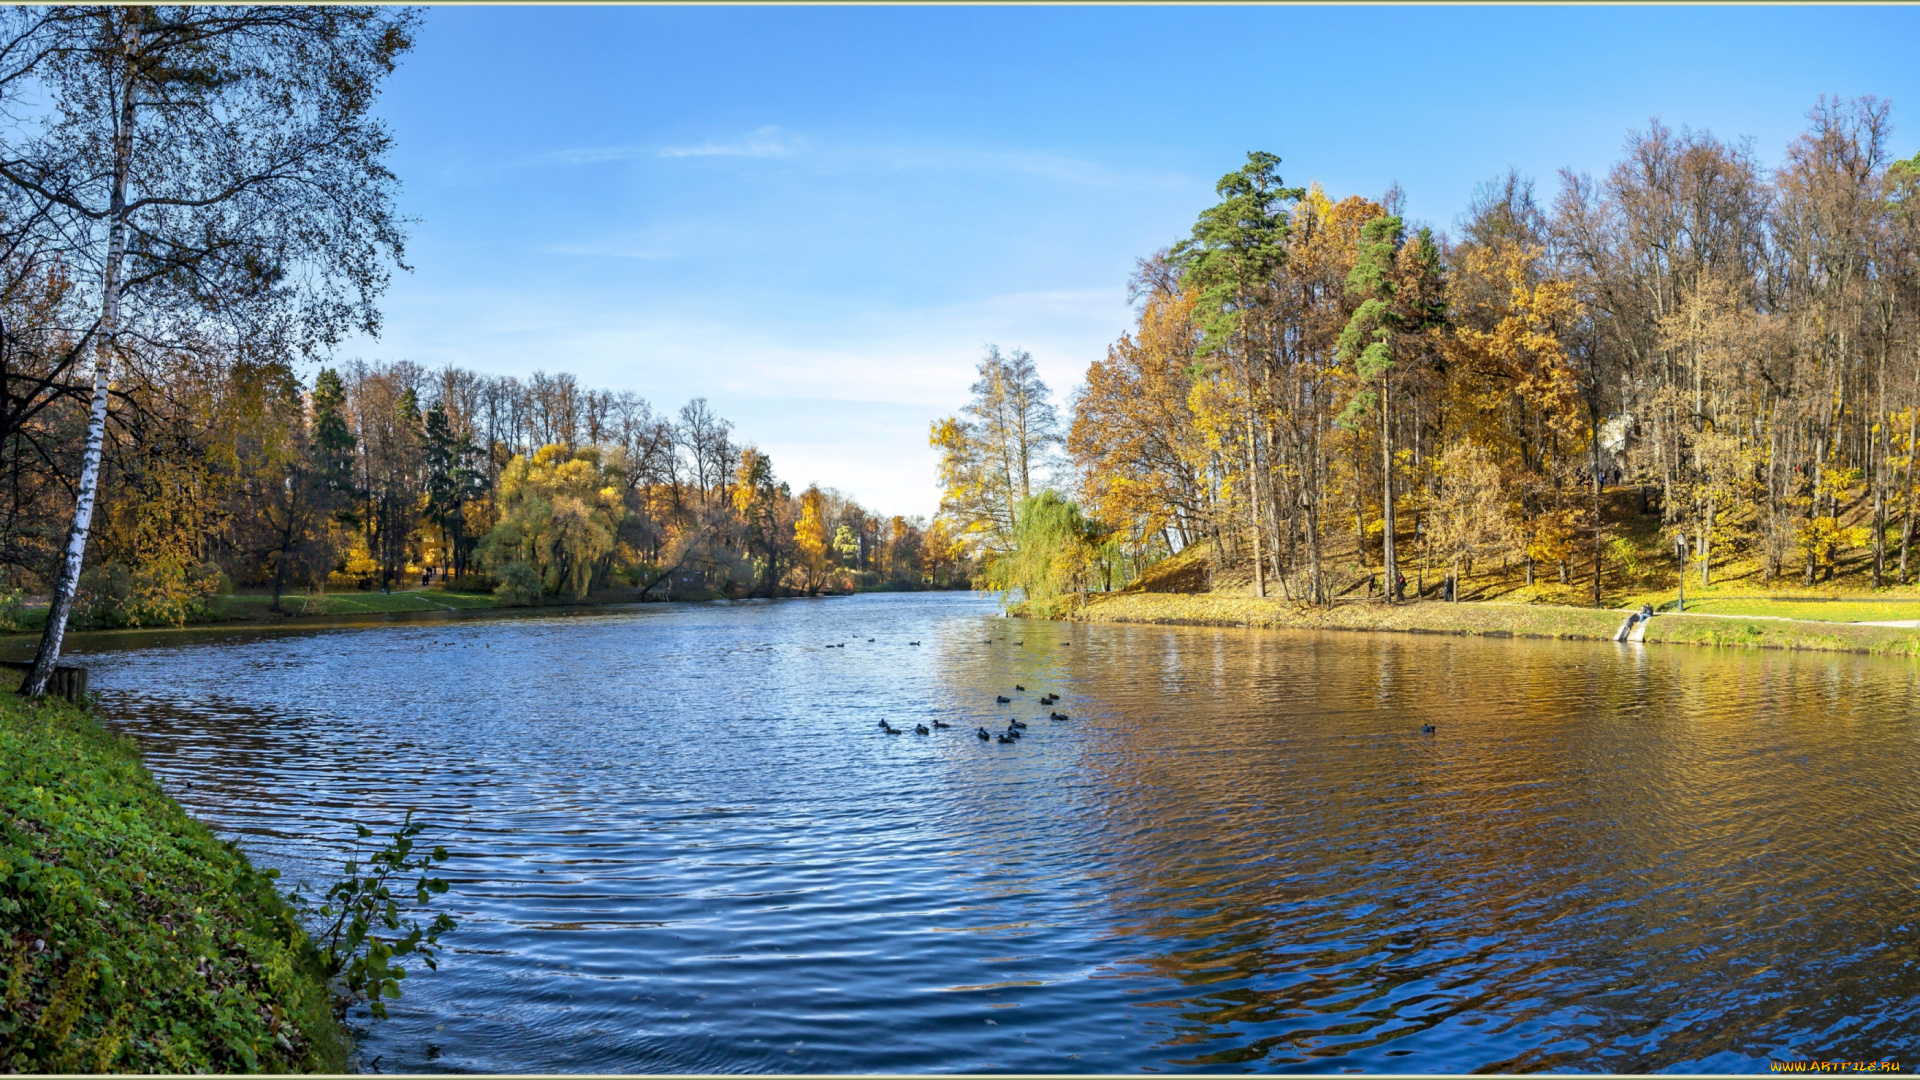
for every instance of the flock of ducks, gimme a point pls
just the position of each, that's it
(1015, 727)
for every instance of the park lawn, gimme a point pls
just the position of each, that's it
(1810, 609)
(131, 938)
(352, 603)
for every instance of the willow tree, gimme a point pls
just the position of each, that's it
(212, 175)
(1055, 546)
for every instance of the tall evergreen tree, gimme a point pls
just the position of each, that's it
(1238, 245)
(333, 442)
(1401, 291)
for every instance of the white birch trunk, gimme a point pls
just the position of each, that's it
(68, 582)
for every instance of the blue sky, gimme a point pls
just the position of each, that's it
(817, 217)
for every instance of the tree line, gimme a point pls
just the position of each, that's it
(1315, 382)
(195, 208)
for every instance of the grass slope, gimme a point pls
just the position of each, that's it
(131, 938)
(1181, 591)
(1484, 619)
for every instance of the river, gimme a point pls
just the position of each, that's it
(682, 843)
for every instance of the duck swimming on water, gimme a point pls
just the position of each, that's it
(1002, 698)
(1020, 688)
(984, 736)
(889, 728)
(1016, 724)
(1005, 738)
(921, 729)
(938, 723)
(1058, 716)
(1428, 729)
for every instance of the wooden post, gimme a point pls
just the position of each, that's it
(67, 680)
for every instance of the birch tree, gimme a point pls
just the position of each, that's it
(212, 174)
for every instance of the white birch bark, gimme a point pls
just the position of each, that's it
(68, 582)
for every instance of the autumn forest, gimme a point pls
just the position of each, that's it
(1693, 360)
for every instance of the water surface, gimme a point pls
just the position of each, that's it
(683, 844)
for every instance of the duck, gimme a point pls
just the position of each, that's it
(1005, 738)
(984, 736)
(1017, 724)
(1428, 729)
(1002, 698)
(1011, 732)
(1020, 688)
(913, 643)
(869, 640)
(1058, 716)
(922, 729)
(889, 728)
(1019, 643)
(941, 723)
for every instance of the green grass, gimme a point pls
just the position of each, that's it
(1811, 609)
(1479, 619)
(131, 938)
(353, 603)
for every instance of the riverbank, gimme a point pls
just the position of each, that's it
(256, 609)
(1485, 619)
(131, 938)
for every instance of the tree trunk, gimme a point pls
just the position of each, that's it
(1813, 506)
(1906, 491)
(1386, 498)
(1879, 536)
(1318, 585)
(280, 566)
(1593, 441)
(1706, 547)
(68, 581)
(1253, 500)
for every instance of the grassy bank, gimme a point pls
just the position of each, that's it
(1486, 620)
(131, 939)
(257, 608)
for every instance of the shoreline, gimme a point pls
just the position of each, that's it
(18, 642)
(1483, 619)
(139, 940)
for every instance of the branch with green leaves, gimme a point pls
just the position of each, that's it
(361, 962)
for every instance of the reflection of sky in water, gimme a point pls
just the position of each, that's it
(683, 843)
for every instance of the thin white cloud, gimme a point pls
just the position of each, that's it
(613, 249)
(828, 158)
(767, 142)
(841, 399)
(1062, 168)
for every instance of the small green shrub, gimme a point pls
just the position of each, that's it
(519, 585)
(360, 962)
(13, 612)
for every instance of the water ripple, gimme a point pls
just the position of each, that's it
(683, 844)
